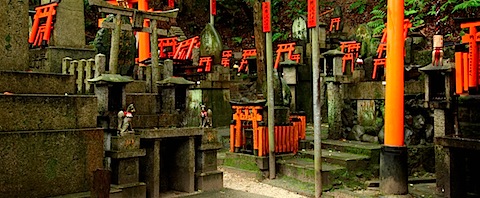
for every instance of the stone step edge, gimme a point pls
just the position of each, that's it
(332, 155)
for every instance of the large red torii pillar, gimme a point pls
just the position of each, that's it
(393, 156)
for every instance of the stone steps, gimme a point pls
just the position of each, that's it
(303, 169)
(20, 82)
(348, 160)
(29, 112)
(355, 147)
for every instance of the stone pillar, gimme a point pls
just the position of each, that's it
(442, 125)
(14, 35)
(167, 94)
(64, 33)
(167, 69)
(207, 177)
(335, 106)
(290, 76)
(185, 160)
(151, 163)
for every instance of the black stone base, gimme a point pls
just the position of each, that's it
(394, 170)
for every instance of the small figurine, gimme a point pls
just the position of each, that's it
(125, 120)
(437, 53)
(206, 116)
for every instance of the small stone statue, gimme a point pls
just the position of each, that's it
(206, 116)
(125, 120)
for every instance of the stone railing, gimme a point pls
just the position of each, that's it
(82, 70)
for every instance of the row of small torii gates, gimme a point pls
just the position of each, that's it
(466, 72)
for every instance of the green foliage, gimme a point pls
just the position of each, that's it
(237, 39)
(414, 9)
(377, 21)
(359, 6)
(466, 5)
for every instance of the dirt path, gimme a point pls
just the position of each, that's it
(237, 182)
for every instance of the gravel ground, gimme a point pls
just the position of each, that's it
(240, 183)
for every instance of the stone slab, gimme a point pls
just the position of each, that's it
(14, 35)
(25, 112)
(138, 86)
(126, 154)
(377, 89)
(125, 142)
(169, 132)
(49, 59)
(125, 171)
(209, 181)
(145, 103)
(20, 82)
(64, 33)
(49, 163)
(133, 190)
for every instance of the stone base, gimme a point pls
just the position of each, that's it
(210, 181)
(49, 59)
(133, 190)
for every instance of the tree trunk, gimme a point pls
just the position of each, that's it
(259, 44)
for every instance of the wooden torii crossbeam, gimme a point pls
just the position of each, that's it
(138, 17)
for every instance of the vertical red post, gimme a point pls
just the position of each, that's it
(394, 107)
(394, 155)
(232, 135)
(459, 72)
(143, 37)
(465, 71)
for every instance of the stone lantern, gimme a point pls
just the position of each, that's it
(332, 64)
(439, 87)
(334, 79)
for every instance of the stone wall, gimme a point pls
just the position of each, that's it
(14, 35)
(47, 112)
(69, 27)
(49, 163)
(32, 83)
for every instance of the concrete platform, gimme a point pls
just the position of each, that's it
(348, 160)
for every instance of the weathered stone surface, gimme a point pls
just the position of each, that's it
(377, 90)
(125, 142)
(210, 181)
(64, 33)
(145, 103)
(169, 132)
(14, 35)
(211, 44)
(49, 163)
(218, 101)
(125, 171)
(138, 86)
(36, 83)
(50, 58)
(47, 112)
(132, 190)
(335, 106)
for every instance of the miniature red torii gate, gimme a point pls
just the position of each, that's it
(41, 33)
(246, 54)
(226, 55)
(382, 47)
(467, 62)
(163, 43)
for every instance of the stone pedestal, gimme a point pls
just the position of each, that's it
(207, 177)
(125, 156)
(443, 126)
(14, 35)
